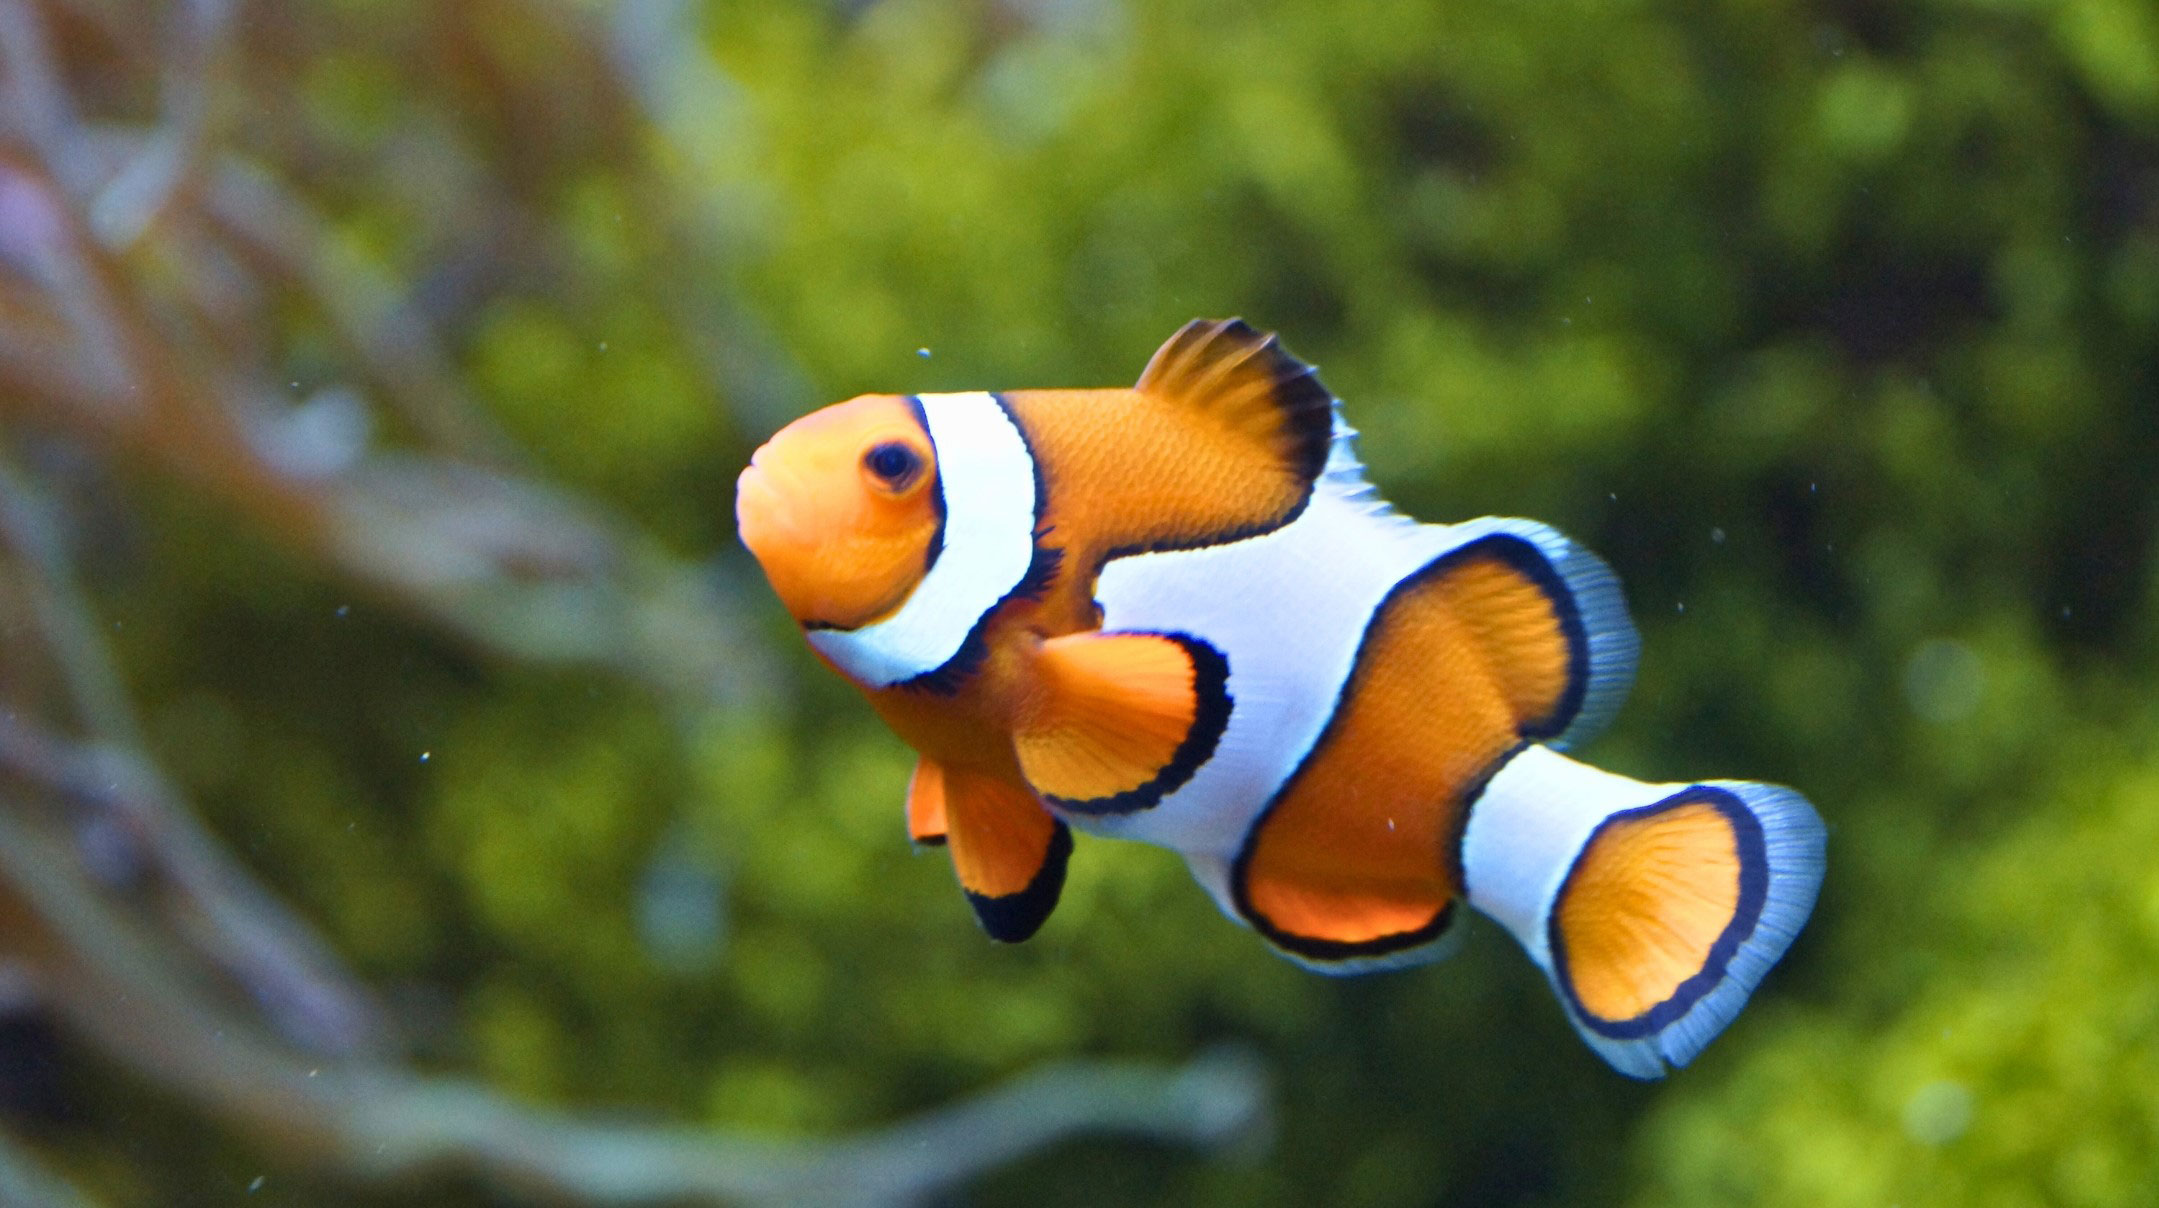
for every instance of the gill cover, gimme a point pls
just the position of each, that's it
(841, 508)
(989, 497)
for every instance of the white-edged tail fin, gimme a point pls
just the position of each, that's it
(1655, 909)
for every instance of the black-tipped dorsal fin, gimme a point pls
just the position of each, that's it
(1247, 380)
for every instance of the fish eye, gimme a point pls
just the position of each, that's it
(894, 464)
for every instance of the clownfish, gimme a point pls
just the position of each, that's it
(1178, 613)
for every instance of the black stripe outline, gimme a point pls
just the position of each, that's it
(1751, 846)
(948, 677)
(1015, 917)
(937, 497)
(1212, 705)
(1521, 555)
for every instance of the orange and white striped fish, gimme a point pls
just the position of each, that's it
(1178, 613)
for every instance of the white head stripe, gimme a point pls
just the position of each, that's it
(987, 478)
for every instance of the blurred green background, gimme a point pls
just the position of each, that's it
(1833, 326)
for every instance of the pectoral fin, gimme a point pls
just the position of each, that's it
(1008, 851)
(1124, 719)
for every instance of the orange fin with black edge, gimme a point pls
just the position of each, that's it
(1008, 851)
(926, 804)
(1549, 622)
(1124, 719)
(1655, 909)
(1249, 382)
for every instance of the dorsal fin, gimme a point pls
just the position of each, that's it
(1247, 380)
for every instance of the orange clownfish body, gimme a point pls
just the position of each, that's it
(1178, 613)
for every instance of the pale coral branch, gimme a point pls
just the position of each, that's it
(238, 926)
(136, 198)
(26, 1183)
(383, 332)
(381, 1122)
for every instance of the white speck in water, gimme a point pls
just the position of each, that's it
(1813, 487)
(2065, 612)
(1390, 824)
(1716, 536)
(924, 353)
(312, 1073)
(603, 346)
(255, 1186)
(344, 610)
(1944, 680)
(1612, 495)
(426, 755)
(1938, 1112)
(1681, 605)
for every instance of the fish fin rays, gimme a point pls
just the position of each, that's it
(926, 804)
(1246, 379)
(1125, 719)
(1009, 852)
(1552, 624)
(1675, 910)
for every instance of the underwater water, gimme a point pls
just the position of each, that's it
(411, 793)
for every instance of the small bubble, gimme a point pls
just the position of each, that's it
(924, 353)
(603, 346)
(2065, 612)
(426, 755)
(344, 610)
(1716, 536)
(1813, 487)
(1613, 496)
(255, 1186)
(1682, 605)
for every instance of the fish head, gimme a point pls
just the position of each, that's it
(842, 510)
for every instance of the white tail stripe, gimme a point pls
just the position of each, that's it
(986, 475)
(1526, 830)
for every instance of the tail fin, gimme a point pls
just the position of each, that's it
(1654, 909)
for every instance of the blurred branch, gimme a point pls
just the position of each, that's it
(39, 111)
(142, 1007)
(137, 928)
(385, 334)
(134, 200)
(25, 1183)
(112, 781)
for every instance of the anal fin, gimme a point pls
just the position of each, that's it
(1124, 718)
(1008, 852)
